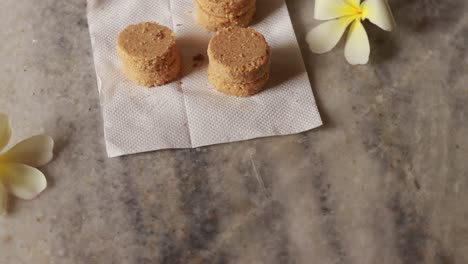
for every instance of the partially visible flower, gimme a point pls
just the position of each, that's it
(17, 173)
(325, 36)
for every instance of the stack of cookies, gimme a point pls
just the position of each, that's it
(149, 54)
(239, 61)
(217, 14)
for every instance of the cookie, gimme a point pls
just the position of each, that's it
(215, 19)
(149, 54)
(239, 89)
(239, 54)
(164, 75)
(239, 61)
(227, 8)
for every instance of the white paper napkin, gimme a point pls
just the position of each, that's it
(190, 113)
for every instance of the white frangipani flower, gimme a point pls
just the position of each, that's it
(342, 13)
(17, 173)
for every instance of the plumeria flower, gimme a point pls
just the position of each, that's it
(17, 173)
(341, 14)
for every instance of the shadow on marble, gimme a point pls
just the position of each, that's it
(383, 44)
(10, 205)
(61, 130)
(426, 15)
(281, 69)
(60, 144)
(263, 13)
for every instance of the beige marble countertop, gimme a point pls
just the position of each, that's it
(384, 181)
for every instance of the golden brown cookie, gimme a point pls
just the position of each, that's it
(164, 75)
(215, 21)
(149, 54)
(239, 61)
(227, 8)
(239, 55)
(239, 89)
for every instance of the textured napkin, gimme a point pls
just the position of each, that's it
(190, 113)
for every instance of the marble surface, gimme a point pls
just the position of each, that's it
(384, 181)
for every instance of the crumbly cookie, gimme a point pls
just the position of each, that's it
(227, 8)
(149, 53)
(239, 89)
(214, 22)
(164, 75)
(239, 61)
(239, 55)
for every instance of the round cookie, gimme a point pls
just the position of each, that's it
(239, 55)
(149, 53)
(239, 89)
(239, 61)
(166, 74)
(217, 22)
(227, 8)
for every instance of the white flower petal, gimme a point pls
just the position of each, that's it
(357, 47)
(330, 9)
(5, 130)
(22, 181)
(325, 36)
(34, 151)
(3, 199)
(379, 13)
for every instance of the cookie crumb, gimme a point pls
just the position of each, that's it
(199, 57)
(179, 87)
(198, 60)
(7, 238)
(159, 35)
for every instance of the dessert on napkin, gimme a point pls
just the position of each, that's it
(239, 61)
(188, 113)
(149, 54)
(216, 14)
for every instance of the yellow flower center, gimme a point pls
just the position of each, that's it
(354, 11)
